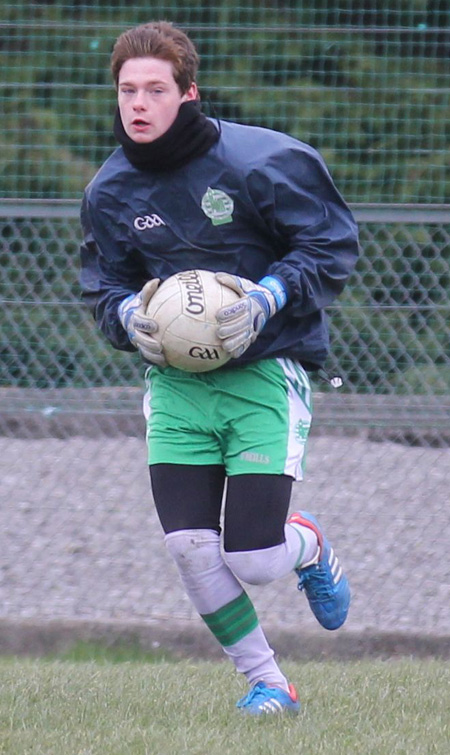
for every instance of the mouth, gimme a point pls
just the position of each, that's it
(139, 123)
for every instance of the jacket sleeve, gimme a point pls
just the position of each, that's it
(105, 279)
(313, 226)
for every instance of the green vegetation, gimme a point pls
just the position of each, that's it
(367, 84)
(188, 708)
(105, 653)
(389, 329)
(49, 339)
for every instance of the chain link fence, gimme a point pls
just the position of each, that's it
(366, 84)
(79, 536)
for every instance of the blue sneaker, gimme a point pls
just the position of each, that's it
(326, 586)
(263, 700)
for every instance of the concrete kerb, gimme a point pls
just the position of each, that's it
(181, 639)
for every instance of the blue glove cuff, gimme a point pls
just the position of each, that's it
(125, 315)
(263, 302)
(276, 288)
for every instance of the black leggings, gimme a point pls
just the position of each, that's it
(190, 497)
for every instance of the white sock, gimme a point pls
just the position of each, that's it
(207, 580)
(309, 550)
(250, 658)
(212, 587)
(259, 567)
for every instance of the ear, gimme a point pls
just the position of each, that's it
(191, 94)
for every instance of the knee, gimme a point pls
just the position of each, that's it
(250, 566)
(194, 550)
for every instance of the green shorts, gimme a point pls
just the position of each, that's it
(252, 419)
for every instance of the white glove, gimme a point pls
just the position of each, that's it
(241, 323)
(139, 327)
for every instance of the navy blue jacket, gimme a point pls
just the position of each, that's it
(258, 202)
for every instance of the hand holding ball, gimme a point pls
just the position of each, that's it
(184, 307)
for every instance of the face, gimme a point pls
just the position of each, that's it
(149, 98)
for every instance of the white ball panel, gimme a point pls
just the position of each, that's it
(185, 307)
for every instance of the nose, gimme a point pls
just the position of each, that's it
(139, 102)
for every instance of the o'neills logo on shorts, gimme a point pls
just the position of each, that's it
(254, 457)
(192, 291)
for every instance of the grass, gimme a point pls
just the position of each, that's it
(114, 706)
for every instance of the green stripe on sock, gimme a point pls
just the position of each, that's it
(231, 614)
(233, 621)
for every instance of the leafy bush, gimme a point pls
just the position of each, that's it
(366, 83)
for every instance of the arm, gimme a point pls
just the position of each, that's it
(311, 222)
(308, 219)
(106, 279)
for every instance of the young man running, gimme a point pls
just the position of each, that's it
(260, 209)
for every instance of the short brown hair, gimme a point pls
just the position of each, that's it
(158, 39)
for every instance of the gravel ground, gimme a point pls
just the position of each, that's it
(79, 539)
